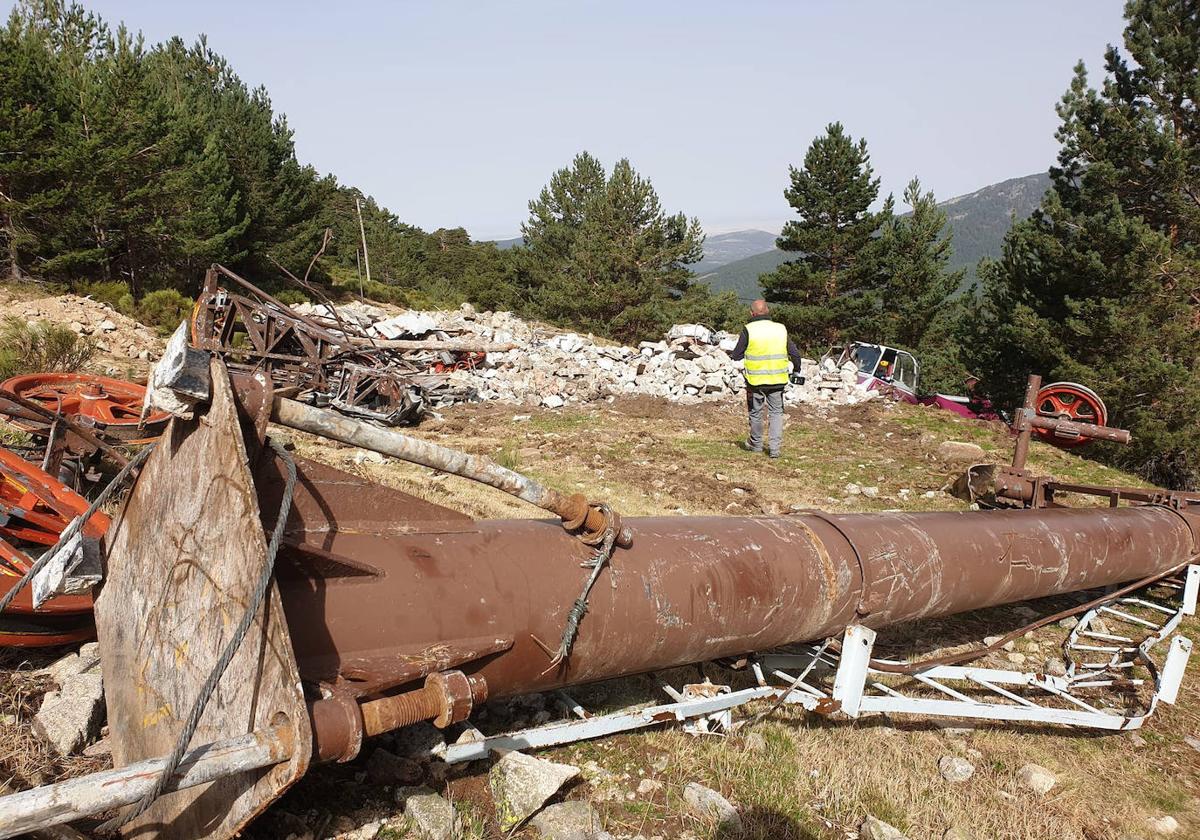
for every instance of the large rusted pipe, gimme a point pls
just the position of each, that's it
(689, 589)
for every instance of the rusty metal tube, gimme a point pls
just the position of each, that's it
(694, 589)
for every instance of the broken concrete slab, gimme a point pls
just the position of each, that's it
(87, 659)
(70, 718)
(521, 784)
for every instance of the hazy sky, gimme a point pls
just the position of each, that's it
(455, 113)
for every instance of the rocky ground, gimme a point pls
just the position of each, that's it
(124, 348)
(789, 776)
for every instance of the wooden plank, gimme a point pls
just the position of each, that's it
(183, 560)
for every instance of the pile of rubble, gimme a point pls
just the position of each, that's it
(553, 368)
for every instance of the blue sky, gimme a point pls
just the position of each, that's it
(456, 113)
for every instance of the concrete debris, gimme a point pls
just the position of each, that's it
(1036, 778)
(708, 804)
(874, 829)
(433, 817)
(690, 364)
(86, 660)
(70, 718)
(521, 784)
(574, 820)
(955, 769)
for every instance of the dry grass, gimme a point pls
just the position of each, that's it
(25, 759)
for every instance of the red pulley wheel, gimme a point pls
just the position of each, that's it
(111, 406)
(34, 509)
(1069, 401)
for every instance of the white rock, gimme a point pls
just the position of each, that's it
(521, 784)
(1163, 826)
(1036, 778)
(707, 804)
(553, 401)
(648, 786)
(955, 769)
(874, 829)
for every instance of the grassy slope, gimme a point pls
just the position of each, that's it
(816, 779)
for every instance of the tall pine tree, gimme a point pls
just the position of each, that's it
(914, 284)
(602, 254)
(1102, 284)
(827, 291)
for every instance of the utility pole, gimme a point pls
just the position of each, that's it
(363, 233)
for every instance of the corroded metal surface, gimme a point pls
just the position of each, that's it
(688, 589)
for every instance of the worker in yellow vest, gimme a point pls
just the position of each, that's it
(764, 349)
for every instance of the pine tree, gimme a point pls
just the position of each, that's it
(601, 253)
(827, 291)
(914, 284)
(1102, 284)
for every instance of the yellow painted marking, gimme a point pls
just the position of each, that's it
(153, 718)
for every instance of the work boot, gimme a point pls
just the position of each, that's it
(745, 445)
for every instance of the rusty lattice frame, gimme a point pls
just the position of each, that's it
(254, 331)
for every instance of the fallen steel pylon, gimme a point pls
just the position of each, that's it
(386, 610)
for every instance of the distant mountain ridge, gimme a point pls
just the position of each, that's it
(979, 221)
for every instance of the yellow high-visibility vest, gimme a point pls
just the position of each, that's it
(766, 360)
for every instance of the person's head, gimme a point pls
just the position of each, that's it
(759, 307)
